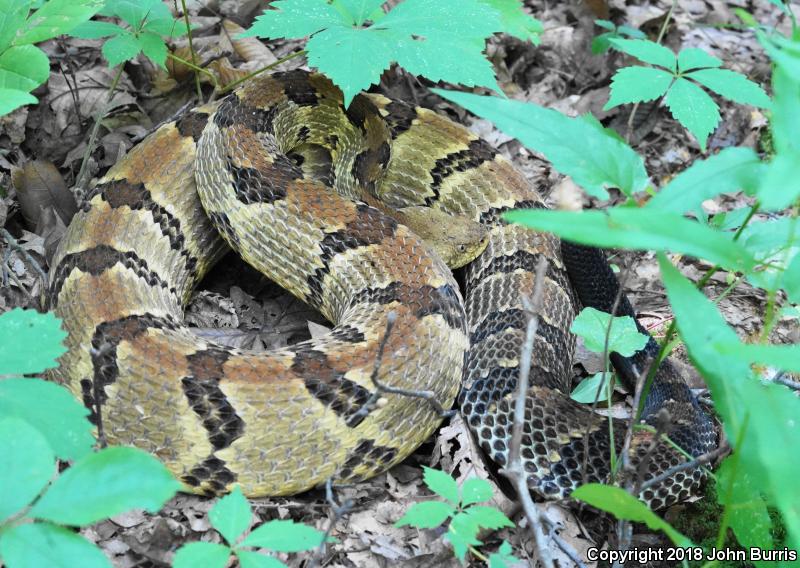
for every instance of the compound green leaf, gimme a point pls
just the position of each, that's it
(205, 554)
(153, 47)
(647, 51)
(250, 559)
(592, 387)
(57, 17)
(638, 229)
(695, 58)
(578, 147)
(515, 21)
(27, 465)
(30, 342)
(733, 169)
(36, 545)
(105, 484)
(94, 30)
(780, 184)
(231, 515)
(121, 48)
(11, 99)
(53, 411)
(426, 515)
(694, 109)
(488, 517)
(295, 19)
(786, 110)
(623, 505)
(442, 484)
(361, 10)
(166, 27)
(638, 84)
(503, 558)
(623, 338)
(733, 86)
(462, 533)
(430, 18)
(475, 490)
(284, 536)
(136, 12)
(23, 68)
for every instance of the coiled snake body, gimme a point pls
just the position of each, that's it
(263, 162)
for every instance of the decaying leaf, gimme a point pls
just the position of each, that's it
(39, 186)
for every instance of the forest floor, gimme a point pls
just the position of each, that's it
(238, 306)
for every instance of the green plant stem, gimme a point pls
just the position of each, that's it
(478, 553)
(663, 30)
(191, 50)
(195, 68)
(237, 82)
(770, 311)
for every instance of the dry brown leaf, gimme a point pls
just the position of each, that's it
(248, 48)
(39, 186)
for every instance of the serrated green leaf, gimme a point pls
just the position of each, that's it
(53, 411)
(57, 17)
(426, 515)
(462, 533)
(733, 86)
(94, 30)
(30, 342)
(23, 68)
(639, 229)
(429, 18)
(503, 557)
(27, 465)
(166, 27)
(11, 99)
(105, 484)
(515, 21)
(250, 559)
(205, 554)
(587, 389)
(731, 170)
(780, 182)
(360, 10)
(577, 147)
(624, 338)
(638, 84)
(475, 490)
(154, 48)
(488, 517)
(442, 484)
(695, 58)
(231, 515)
(36, 545)
(284, 536)
(121, 48)
(647, 51)
(295, 19)
(136, 12)
(694, 109)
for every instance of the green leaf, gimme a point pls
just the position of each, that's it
(780, 183)
(23, 68)
(784, 357)
(791, 280)
(205, 554)
(647, 51)
(638, 229)
(694, 109)
(11, 99)
(95, 30)
(587, 389)
(137, 12)
(638, 84)
(475, 490)
(624, 338)
(746, 510)
(694, 58)
(488, 517)
(295, 19)
(105, 484)
(53, 411)
(154, 48)
(442, 484)
(361, 10)
(250, 559)
(121, 48)
(503, 557)
(731, 170)
(785, 120)
(625, 506)
(426, 515)
(30, 342)
(733, 86)
(577, 147)
(231, 515)
(514, 20)
(57, 17)
(284, 536)
(166, 27)
(36, 545)
(462, 533)
(27, 465)
(12, 19)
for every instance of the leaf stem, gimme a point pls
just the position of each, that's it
(191, 50)
(272, 65)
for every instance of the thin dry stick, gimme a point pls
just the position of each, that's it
(515, 470)
(339, 511)
(696, 462)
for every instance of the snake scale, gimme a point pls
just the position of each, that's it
(263, 162)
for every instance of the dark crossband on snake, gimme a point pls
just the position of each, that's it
(287, 176)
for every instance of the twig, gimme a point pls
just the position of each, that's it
(782, 379)
(514, 469)
(696, 462)
(338, 511)
(191, 49)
